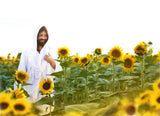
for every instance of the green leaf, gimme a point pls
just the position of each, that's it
(105, 55)
(56, 80)
(25, 84)
(83, 73)
(57, 74)
(102, 81)
(11, 79)
(25, 92)
(125, 78)
(46, 100)
(149, 59)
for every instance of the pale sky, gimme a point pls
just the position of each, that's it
(80, 25)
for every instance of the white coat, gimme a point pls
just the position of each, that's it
(33, 62)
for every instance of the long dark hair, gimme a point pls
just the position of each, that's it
(43, 28)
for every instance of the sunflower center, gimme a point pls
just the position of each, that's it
(128, 63)
(130, 110)
(140, 49)
(105, 60)
(63, 52)
(116, 53)
(158, 99)
(21, 76)
(46, 86)
(19, 107)
(76, 60)
(3, 105)
(84, 60)
(98, 51)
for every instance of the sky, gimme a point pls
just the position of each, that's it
(80, 25)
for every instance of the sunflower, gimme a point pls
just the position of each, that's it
(17, 93)
(90, 56)
(155, 100)
(84, 60)
(144, 97)
(46, 86)
(73, 113)
(17, 60)
(157, 58)
(76, 60)
(5, 100)
(127, 107)
(105, 60)
(98, 51)
(63, 52)
(141, 48)
(21, 106)
(156, 85)
(9, 56)
(116, 53)
(2, 58)
(128, 63)
(13, 59)
(22, 76)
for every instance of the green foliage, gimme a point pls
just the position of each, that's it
(46, 100)
(94, 89)
(5, 84)
(8, 68)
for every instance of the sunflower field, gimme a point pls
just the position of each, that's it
(111, 84)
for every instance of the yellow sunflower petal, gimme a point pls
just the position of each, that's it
(63, 51)
(98, 51)
(128, 63)
(116, 53)
(21, 106)
(46, 86)
(144, 97)
(127, 107)
(105, 60)
(2, 58)
(156, 85)
(141, 48)
(155, 100)
(22, 76)
(84, 60)
(5, 103)
(76, 60)
(73, 113)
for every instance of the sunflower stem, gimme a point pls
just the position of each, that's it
(18, 85)
(64, 85)
(96, 90)
(87, 86)
(142, 72)
(50, 107)
(76, 80)
(113, 77)
(96, 86)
